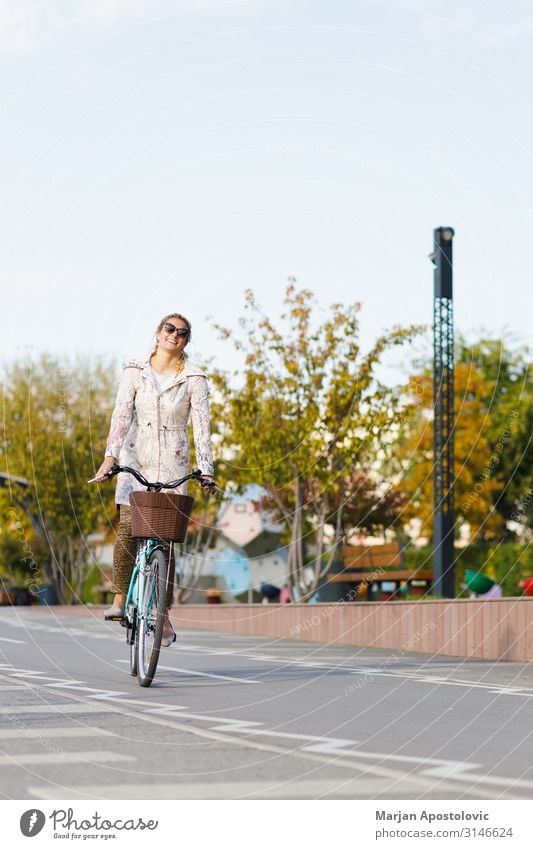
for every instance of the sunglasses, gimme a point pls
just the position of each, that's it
(170, 328)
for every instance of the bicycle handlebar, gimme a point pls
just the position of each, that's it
(157, 486)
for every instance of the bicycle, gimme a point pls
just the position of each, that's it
(156, 522)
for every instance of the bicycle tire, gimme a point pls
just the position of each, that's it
(131, 618)
(150, 617)
(133, 647)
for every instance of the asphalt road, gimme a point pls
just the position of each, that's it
(252, 718)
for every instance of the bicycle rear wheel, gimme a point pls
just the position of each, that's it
(150, 617)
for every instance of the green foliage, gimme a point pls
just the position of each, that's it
(56, 418)
(94, 577)
(508, 422)
(415, 452)
(493, 446)
(24, 555)
(308, 420)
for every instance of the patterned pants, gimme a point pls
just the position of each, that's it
(124, 556)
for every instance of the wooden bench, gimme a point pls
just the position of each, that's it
(367, 565)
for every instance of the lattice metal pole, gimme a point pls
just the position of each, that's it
(443, 427)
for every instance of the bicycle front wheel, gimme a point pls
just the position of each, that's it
(150, 618)
(132, 641)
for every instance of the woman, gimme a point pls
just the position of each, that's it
(149, 432)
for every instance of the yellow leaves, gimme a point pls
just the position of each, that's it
(304, 403)
(474, 490)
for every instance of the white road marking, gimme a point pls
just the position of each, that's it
(203, 674)
(121, 705)
(263, 657)
(422, 677)
(508, 691)
(50, 629)
(502, 689)
(335, 747)
(359, 787)
(31, 673)
(86, 758)
(456, 771)
(342, 747)
(44, 732)
(8, 640)
(65, 684)
(330, 746)
(42, 678)
(105, 694)
(321, 750)
(75, 707)
(493, 781)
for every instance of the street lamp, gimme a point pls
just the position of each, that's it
(443, 407)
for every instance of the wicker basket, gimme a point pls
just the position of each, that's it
(164, 515)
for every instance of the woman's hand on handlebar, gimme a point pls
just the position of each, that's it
(105, 468)
(207, 482)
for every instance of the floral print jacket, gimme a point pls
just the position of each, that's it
(149, 429)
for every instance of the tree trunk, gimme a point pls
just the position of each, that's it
(67, 565)
(322, 569)
(193, 557)
(295, 564)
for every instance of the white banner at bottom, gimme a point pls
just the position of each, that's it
(274, 824)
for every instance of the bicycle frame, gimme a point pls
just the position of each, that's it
(145, 549)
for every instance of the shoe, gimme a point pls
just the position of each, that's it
(168, 640)
(114, 613)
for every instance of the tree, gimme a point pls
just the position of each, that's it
(508, 404)
(414, 450)
(493, 453)
(307, 412)
(373, 505)
(22, 549)
(56, 418)
(193, 554)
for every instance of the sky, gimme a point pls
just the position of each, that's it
(159, 156)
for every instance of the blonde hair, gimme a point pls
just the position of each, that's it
(181, 361)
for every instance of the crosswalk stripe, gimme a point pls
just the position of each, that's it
(44, 732)
(63, 708)
(233, 790)
(87, 758)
